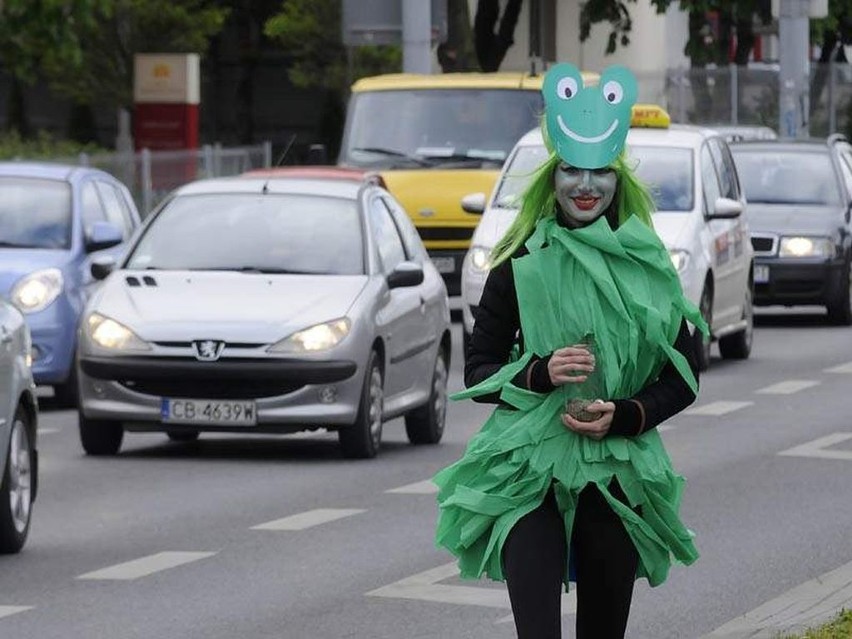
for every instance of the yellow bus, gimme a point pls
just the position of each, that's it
(436, 138)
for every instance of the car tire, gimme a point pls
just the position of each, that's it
(425, 424)
(67, 394)
(738, 345)
(17, 488)
(182, 435)
(702, 344)
(840, 309)
(362, 439)
(100, 437)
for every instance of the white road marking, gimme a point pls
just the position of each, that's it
(843, 368)
(47, 431)
(665, 427)
(6, 611)
(716, 408)
(146, 565)
(805, 606)
(425, 487)
(820, 448)
(425, 586)
(788, 387)
(308, 519)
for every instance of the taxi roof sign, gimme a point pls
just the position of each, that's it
(650, 116)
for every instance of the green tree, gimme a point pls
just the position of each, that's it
(38, 35)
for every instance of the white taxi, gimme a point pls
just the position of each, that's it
(700, 216)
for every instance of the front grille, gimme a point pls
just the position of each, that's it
(763, 244)
(435, 233)
(182, 388)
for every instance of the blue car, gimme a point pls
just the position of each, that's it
(55, 220)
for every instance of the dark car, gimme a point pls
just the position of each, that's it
(799, 205)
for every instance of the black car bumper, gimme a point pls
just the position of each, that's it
(798, 282)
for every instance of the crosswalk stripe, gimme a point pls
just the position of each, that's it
(821, 448)
(425, 487)
(788, 387)
(308, 519)
(47, 431)
(716, 408)
(843, 368)
(146, 565)
(6, 611)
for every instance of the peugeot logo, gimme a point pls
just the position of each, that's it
(208, 350)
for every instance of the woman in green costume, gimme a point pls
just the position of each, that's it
(568, 479)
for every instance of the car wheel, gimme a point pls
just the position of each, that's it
(738, 345)
(66, 395)
(17, 486)
(182, 435)
(362, 439)
(700, 342)
(425, 424)
(840, 309)
(100, 436)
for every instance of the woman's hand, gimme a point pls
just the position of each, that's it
(569, 365)
(596, 429)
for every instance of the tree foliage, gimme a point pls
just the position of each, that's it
(123, 28)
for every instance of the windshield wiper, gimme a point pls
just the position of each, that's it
(17, 245)
(393, 154)
(266, 270)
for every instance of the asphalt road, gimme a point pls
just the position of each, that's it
(257, 537)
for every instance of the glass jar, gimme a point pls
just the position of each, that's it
(580, 395)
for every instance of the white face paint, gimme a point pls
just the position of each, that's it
(583, 194)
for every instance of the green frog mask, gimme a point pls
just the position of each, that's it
(587, 126)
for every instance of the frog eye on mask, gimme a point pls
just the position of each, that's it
(613, 92)
(567, 88)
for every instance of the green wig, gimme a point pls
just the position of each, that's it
(539, 201)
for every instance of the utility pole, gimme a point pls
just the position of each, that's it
(794, 59)
(416, 36)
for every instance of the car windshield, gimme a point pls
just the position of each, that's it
(668, 173)
(35, 213)
(786, 177)
(517, 175)
(254, 233)
(468, 128)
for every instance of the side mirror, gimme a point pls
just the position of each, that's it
(102, 266)
(405, 274)
(317, 154)
(473, 203)
(726, 209)
(103, 235)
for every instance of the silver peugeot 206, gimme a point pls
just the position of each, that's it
(267, 304)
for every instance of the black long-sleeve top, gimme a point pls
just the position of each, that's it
(498, 328)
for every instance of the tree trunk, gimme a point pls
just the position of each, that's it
(491, 46)
(17, 120)
(456, 54)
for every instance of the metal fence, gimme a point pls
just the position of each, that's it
(151, 175)
(749, 96)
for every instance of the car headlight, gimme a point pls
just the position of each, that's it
(316, 338)
(34, 292)
(480, 258)
(680, 259)
(107, 333)
(806, 247)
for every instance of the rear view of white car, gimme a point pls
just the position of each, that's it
(18, 416)
(700, 217)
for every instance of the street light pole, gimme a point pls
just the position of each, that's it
(794, 73)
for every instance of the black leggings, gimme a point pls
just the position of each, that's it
(535, 558)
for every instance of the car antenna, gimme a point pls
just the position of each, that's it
(280, 160)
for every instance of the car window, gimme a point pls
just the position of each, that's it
(779, 176)
(249, 232)
(846, 169)
(387, 238)
(709, 179)
(518, 173)
(115, 212)
(35, 213)
(725, 169)
(668, 173)
(92, 208)
(411, 240)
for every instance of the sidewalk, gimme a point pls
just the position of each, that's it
(807, 605)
